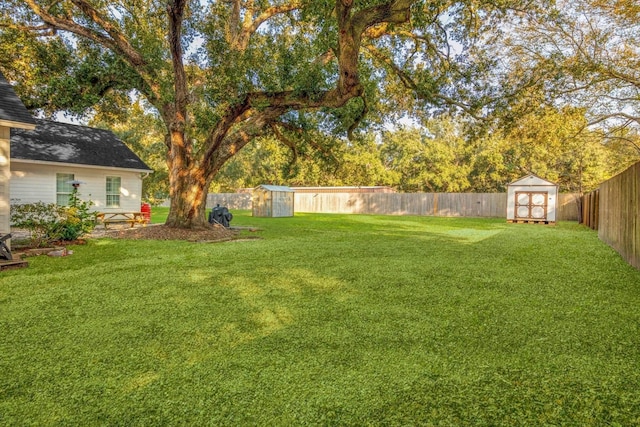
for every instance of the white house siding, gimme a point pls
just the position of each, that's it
(33, 182)
(4, 179)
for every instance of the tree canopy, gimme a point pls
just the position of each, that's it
(584, 53)
(206, 78)
(220, 73)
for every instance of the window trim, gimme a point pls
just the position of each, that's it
(62, 192)
(112, 194)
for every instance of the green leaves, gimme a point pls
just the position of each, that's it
(432, 160)
(48, 222)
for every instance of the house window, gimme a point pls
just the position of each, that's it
(63, 188)
(113, 191)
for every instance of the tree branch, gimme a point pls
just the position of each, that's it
(117, 40)
(252, 26)
(112, 39)
(260, 108)
(239, 137)
(620, 115)
(393, 12)
(41, 30)
(286, 141)
(175, 11)
(409, 83)
(310, 141)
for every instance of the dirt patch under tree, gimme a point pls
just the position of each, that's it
(162, 232)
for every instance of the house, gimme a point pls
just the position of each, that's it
(532, 199)
(13, 115)
(48, 161)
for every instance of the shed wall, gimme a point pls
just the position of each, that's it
(260, 203)
(282, 203)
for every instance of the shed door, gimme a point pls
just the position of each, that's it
(532, 205)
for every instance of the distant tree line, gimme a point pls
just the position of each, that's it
(442, 154)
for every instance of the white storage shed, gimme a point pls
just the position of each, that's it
(532, 199)
(272, 201)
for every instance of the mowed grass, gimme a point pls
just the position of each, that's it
(327, 320)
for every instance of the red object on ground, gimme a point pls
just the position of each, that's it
(145, 208)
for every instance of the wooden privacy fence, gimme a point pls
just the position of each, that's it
(433, 204)
(490, 205)
(230, 200)
(618, 221)
(590, 209)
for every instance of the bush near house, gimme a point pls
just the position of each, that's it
(48, 222)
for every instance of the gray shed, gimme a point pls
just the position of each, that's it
(272, 201)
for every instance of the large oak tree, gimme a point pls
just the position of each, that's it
(220, 73)
(585, 53)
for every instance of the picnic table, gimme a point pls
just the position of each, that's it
(131, 218)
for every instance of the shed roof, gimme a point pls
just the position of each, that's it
(281, 188)
(532, 179)
(66, 143)
(13, 113)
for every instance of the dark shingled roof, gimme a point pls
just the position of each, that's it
(67, 143)
(11, 108)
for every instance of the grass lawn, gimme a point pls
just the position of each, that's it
(327, 320)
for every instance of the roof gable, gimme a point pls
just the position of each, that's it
(532, 179)
(13, 113)
(66, 143)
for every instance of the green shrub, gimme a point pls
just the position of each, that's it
(38, 218)
(75, 219)
(48, 222)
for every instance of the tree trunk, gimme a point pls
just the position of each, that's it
(188, 204)
(188, 195)
(188, 185)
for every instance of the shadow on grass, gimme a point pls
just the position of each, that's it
(331, 319)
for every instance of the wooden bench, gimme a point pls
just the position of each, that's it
(131, 218)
